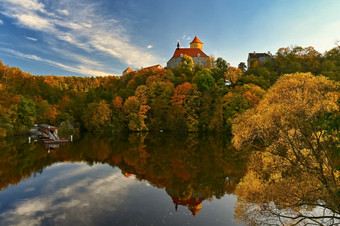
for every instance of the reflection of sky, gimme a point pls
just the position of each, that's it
(75, 193)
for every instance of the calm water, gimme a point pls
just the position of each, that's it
(143, 179)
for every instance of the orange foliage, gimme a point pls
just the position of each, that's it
(180, 92)
(117, 102)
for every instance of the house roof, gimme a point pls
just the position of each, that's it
(158, 66)
(258, 55)
(128, 70)
(196, 40)
(192, 52)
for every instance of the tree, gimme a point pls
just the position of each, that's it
(292, 123)
(221, 64)
(97, 117)
(205, 81)
(135, 114)
(180, 93)
(159, 100)
(233, 75)
(242, 66)
(187, 63)
(26, 112)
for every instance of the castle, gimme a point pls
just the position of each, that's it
(195, 52)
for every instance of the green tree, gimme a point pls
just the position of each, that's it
(242, 66)
(187, 63)
(26, 112)
(222, 64)
(205, 81)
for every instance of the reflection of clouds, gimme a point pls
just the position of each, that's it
(79, 169)
(82, 199)
(27, 208)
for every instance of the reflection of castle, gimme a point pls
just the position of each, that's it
(189, 198)
(193, 204)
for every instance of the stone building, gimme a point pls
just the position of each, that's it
(260, 57)
(195, 51)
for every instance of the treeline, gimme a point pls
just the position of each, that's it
(184, 99)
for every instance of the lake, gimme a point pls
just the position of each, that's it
(137, 179)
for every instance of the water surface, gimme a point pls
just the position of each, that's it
(139, 179)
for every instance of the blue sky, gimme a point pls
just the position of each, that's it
(101, 37)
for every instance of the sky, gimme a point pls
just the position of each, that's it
(104, 37)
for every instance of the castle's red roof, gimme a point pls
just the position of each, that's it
(196, 40)
(192, 52)
(193, 204)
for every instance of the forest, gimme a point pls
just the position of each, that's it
(184, 99)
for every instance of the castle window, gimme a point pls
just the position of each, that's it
(181, 55)
(198, 55)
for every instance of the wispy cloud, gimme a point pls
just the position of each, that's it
(80, 26)
(150, 47)
(63, 12)
(186, 37)
(1, 22)
(32, 39)
(84, 68)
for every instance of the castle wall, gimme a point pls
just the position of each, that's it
(176, 61)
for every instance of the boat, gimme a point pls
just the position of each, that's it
(48, 134)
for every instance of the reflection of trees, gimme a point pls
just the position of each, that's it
(274, 192)
(19, 160)
(190, 168)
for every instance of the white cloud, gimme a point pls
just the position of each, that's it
(150, 47)
(32, 39)
(34, 21)
(63, 12)
(1, 22)
(186, 38)
(85, 29)
(81, 68)
(28, 4)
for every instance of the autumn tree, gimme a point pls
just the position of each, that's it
(97, 117)
(233, 75)
(292, 123)
(135, 114)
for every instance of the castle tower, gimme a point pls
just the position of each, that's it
(196, 43)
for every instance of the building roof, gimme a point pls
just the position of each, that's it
(192, 52)
(258, 55)
(128, 70)
(158, 66)
(196, 40)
